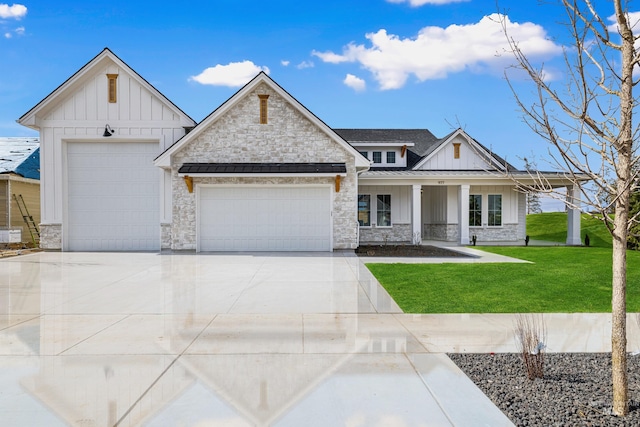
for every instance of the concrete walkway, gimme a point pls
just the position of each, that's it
(240, 340)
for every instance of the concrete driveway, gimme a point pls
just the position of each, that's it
(128, 339)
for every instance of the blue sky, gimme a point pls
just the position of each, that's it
(432, 64)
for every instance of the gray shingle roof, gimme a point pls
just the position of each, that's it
(423, 139)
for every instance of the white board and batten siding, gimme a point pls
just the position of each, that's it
(401, 200)
(444, 159)
(510, 198)
(264, 218)
(135, 106)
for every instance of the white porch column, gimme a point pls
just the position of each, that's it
(573, 216)
(463, 214)
(416, 215)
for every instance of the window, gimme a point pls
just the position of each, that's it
(364, 210)
(456, 150)
(384, 210)
(475, 210)
(263, 109)
(112, 87)
(365, 154)
(377, 157)
(391, 156)
(495, 210)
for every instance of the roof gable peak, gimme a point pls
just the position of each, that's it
(28, 119)
(164, 159)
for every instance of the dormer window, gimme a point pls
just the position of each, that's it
(377, 157)
(263, 109)
(456, 150)
(112, 88)
(391, 156)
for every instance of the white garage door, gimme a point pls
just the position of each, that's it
(265, 219)
(113, 197)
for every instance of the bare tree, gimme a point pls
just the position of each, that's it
(587, 117)
(532, 197)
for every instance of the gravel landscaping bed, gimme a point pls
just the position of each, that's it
(575, 390)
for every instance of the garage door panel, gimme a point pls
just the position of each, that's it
(265, 219)
(112, 196)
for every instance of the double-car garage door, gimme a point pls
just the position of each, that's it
(263, 218)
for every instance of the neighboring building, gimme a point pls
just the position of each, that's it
(123, 168)
(19, 182)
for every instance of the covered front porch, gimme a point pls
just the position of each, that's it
(448, 209)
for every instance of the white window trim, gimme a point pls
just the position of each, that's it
(482, 210)
(358, 211)
(394, 157)
(501, 210)
(390, 216)
(373, 210)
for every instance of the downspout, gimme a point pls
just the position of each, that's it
(358, 172)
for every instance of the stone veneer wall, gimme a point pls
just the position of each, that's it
(165, 236)
(398, 233)
(237, 136)
(51, 236)
(506, 233)
(444, 232)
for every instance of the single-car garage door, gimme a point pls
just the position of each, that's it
(113, 197)
(264, 218)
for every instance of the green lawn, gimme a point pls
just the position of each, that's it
(562, 279)
(552, 226)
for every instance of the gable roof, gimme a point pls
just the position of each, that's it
(20, 156)
(163, 160)
(492, 159)
(28, 118)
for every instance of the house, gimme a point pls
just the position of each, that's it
(19, 189)
(123, 168)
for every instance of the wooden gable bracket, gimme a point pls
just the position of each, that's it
(337, 183)
(403, 150)
(189, 181)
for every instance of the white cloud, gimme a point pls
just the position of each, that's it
(285, 63)
(437, 52)
(356, 83)
(305, 64)
(633, 19)
(417, 3)
(15, 11)
(234, 74)
(18, 31)
(330, 57)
